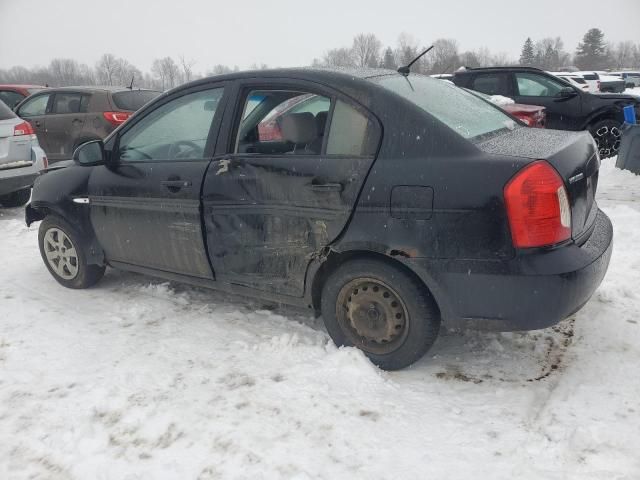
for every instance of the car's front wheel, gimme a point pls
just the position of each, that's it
(607, 135)
(382, 310)
(16, 199)
(64, 255)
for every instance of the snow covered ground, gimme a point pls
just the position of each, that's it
(139, 379)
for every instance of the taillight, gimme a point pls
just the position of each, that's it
(116, 118)
(24, 128)
(598, 85)
(45, 162)
(525, 119)
(537, 207)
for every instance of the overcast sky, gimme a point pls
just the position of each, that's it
(286, 32)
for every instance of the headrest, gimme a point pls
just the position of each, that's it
(73, 106)
(299, 127)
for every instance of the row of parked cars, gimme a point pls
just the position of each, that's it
(40, 126)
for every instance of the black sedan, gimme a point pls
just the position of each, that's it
(387, 202)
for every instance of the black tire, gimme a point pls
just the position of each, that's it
(69, 273)
(388, 346)
(607, 135)
(16, 199)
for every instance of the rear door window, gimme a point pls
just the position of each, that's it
(11, 98)
(351, 133)
(492, 84)
(34, 106)
(133, 100)
(64, 103)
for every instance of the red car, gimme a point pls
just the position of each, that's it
(12, 95)
(532, 115)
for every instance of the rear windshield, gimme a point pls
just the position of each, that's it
(590, 76)
(5, 112)
(460, 110)
(133, 99)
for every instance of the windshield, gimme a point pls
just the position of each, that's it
(460, 110)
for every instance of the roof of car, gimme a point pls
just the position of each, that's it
(95, 88)
(309, 73)
(497, 69)
(20, 85)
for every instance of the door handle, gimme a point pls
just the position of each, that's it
(175, 184)
(326, 187)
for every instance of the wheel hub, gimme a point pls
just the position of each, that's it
(60, 253)
(373, 313)
(608, 140)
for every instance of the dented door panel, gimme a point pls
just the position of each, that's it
(267, 217)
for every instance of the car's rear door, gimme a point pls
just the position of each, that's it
(563, 113)
(267, 214)
(145, 209)
(65, 123)
(34, 110)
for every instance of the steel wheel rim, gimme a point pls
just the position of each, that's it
(608, 140)
(61, 253)
(372, 315)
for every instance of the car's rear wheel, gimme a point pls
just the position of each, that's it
(16, 199)
(607, 135)
(64, 255)
(381, 310)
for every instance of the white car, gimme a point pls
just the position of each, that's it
(574, 79)
(21, 158)
(593, 80)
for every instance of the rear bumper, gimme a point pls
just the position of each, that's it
(531, 291)
(17, 182)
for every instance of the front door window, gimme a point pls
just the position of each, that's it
(177, 130)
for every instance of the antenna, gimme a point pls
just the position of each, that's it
(131, 84)
(406, 70)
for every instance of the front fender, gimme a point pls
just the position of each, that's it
(54, 193)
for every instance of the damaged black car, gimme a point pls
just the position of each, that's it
(387, 202)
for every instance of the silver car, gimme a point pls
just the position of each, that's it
(21, 158)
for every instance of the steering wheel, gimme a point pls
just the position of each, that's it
(124, 152)
(176, 151)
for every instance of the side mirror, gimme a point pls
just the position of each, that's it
(567, 92)
(90, 153)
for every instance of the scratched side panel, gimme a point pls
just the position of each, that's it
(265, 221)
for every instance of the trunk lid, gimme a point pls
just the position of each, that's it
(15, 151)
(572, 154)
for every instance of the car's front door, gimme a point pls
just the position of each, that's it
(271, 204)
(145, 204)
(65, 123)
(34, 110)
(563, 113)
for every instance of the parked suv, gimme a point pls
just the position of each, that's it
(568, 108)
(21, 158)
(64, 118)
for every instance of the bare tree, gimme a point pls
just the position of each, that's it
(444, 57)
(338, 57)
(107, 69)
(623, 54)
(366, 50)
(166, 72)
(186, 67)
